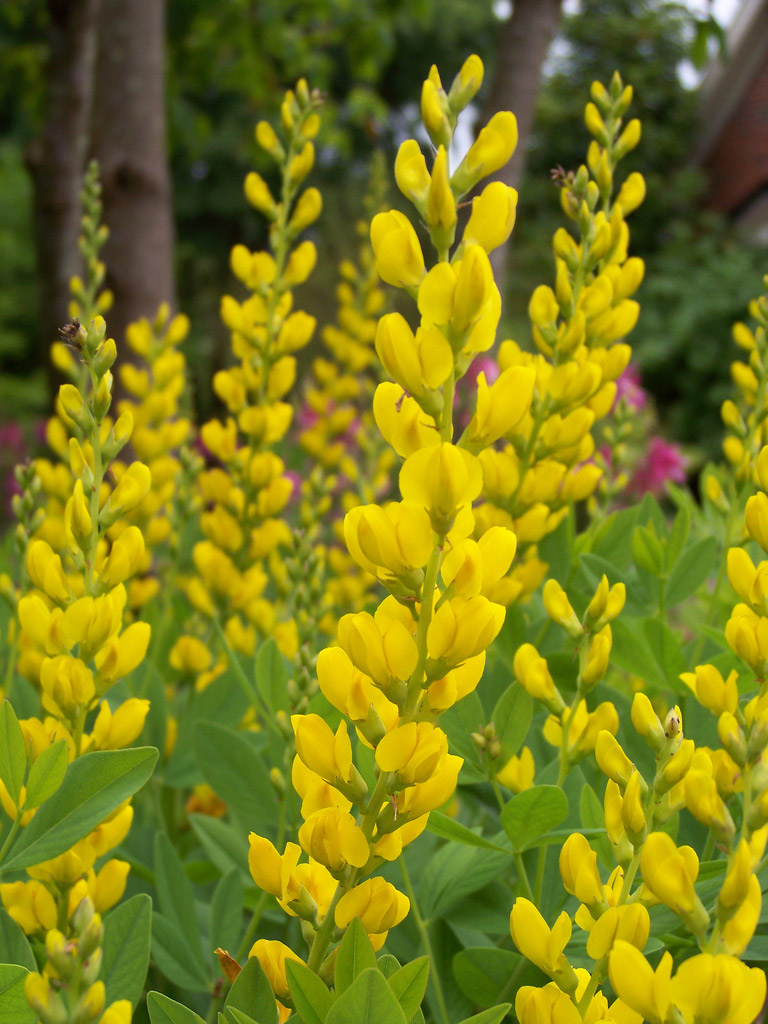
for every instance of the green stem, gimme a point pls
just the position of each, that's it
(11, 836)
(324, 933)
(423, 929)
(254, 698)
(523, 874)
(539, 883)
(416, 682)
(629, 877)
(598, 975)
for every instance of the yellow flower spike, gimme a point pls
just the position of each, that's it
(396, 248)
(413, 751)
(519, 772)
(612, 760)
(646, 722)
(492, 148)
(376, 903)
(559, 609)
(493, 216)
(740, 927)
(411, 172)
(705, 803)
(460, 629)
(440, 207)
(272, 956)
(646, 991)
(578, 870)
(500, 407)
(669, 873)
(332, 837)
(542, 946)
(441, 478)
(632, 809)
(629, 923)
(533, 674)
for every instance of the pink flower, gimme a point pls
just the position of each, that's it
(663, 461)
(629, 387)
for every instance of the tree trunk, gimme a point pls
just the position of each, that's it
(56, 160)
(129, 141)
(523, 46)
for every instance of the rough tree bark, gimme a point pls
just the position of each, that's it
(56, 159)
(129, 141)
(523, 46)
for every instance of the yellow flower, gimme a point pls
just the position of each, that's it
(540, 945)
(493, 216)
(332, 837)
(272, 956)
(378, 905)
(629, 923)
(413, 751)
(399, 259)
(518, 773)
(441, 478)
(578, 869)
(669, 873)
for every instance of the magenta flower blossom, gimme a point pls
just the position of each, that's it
(629, 387)
(662, 462)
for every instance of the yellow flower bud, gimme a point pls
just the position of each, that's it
(533, 674)
(612, 760)
(669, 873)
(377, 903)
(628, 923)
(332, 837)
(540, 944)
(272, 956)
(578, 869)
(493, 146)
(411, 172)
(519, 772)
(558, 608)
(441, 478)
(306, 211)
(399, 259)
(493, 216)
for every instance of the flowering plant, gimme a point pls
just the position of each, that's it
(523, 775)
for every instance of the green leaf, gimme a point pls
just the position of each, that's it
(176, 902)
(482, 972)
(409, 985)
(310, 996)
(512, 718)
(225, 845)
(272, 676)
(691, 571)
(226, 758)
(14, 945)
(252, 994)
(13, 752)
(459, 722)
(368, 1000)
(46, 774)
(14, 1008)
(647, 550)
(164, 1010)
(354, 956)
(493, 1015)
(226, 915)
(678, 535)
(94, 786)
(532, 813)
(172, 955)
(628, 653)
(453, 872)
(127, 939)
(235, 1016)
(440, 824)
(667, 651)
(388, 964)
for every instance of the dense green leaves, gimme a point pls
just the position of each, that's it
(164, 1010)
(127, 935)
(13, 754)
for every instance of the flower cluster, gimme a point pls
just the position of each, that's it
(578, 327)
(393, 672)
(247, 491)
